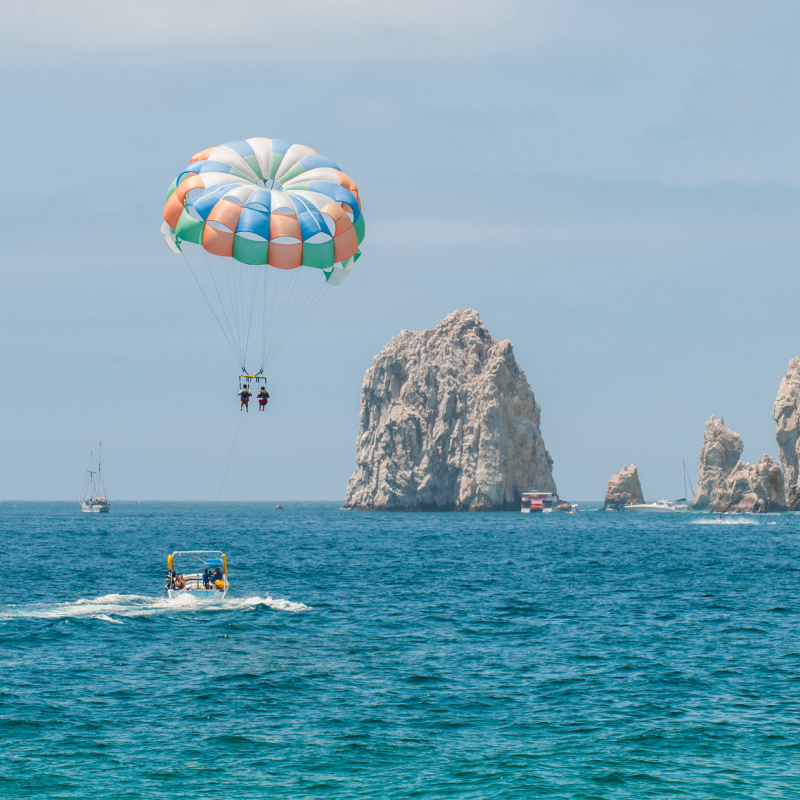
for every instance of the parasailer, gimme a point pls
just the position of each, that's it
(264, 225)
(244, 396)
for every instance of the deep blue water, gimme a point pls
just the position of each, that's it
(399, 655)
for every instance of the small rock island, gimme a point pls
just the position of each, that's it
(727, 485)
(448, 422)
(624, 488)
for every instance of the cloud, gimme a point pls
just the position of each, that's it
(733, 105)
(313, 30)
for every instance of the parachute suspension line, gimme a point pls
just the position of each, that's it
(221, 327)
(265, 276)
(213, 280)
(285, 308)
(308, 306)
(270, 324)
(284, 302)
(230, 277)
(252, 307)
(306, 297)
(230, 456)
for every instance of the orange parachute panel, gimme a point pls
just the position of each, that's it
(202, 155)
(285, 256)
(284, 225)
(218, 243)
(174, 205)
(226, 213)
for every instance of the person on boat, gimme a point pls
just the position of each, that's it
(206, 579)
(180, 582)
(218, 579)
(244, 395)
(263, 398)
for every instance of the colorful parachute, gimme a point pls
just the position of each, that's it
(255, 205)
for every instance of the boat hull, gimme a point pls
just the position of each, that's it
(651, 509)
(196, 593)
(95, 509)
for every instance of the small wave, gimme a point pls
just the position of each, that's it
(729, 521)
(106, 618)
(250, 603)
(131, 605)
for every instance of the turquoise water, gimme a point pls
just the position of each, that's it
(399, 655)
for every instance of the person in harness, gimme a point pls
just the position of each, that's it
(244, 395)
(263, 398)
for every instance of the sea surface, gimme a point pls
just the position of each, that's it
(596, 655)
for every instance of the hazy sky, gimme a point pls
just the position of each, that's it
(612, 184)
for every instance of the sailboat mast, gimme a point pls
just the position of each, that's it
(686, 478)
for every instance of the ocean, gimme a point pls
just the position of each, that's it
(596, 655)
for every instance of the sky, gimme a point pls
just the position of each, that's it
(613, 185)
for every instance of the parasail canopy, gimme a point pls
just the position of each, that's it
(272, 219)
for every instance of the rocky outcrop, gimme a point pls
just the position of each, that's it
(752, 488)
(624, 488)
(448, 422)
(786, 413)
(719, 455)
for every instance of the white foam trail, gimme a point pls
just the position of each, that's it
(132, 605)
(106, 618)
(729, 521)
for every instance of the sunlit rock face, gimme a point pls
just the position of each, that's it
(752, 488)
(786, 413)
(448, 422)
(719, 454)
(624, 488)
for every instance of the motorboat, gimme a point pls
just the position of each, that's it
(659, 506)
(94, 496)
(209, 578)
(545, 502)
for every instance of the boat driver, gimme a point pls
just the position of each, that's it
(218, 580)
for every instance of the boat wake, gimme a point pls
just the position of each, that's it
(109, 606)
(731, 521)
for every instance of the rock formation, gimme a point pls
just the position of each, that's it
(624, 488)
(448, 422)
(786, 413)
(752, 488)
(719, 454)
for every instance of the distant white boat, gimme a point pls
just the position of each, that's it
(658, 506)
(94, 497)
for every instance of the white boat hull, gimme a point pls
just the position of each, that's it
(196, 593)
(95, 508)
(656, 508)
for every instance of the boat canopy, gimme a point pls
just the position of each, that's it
(210, 558)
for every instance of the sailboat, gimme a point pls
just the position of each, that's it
(683, 503)
(94, 497)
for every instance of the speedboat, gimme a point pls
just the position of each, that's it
(210, 578)
(659, 505)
